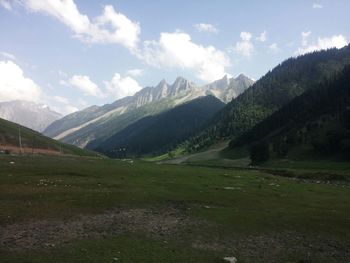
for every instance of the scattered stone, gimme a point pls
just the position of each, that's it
(232, 188)
(230, 259)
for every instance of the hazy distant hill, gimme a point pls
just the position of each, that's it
(30, 114)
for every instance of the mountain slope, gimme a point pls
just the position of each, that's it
(159, 133)
(320, 118)
(33, 142)
(98, 123)
(30, 114)
(226, 88)
(268, 94)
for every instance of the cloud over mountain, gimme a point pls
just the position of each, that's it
(15, 86)
(337, 41)
(177, 50)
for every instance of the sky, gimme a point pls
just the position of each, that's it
(71, 54)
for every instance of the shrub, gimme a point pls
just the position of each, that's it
(259, 152)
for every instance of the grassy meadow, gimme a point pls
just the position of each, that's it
(81, 209)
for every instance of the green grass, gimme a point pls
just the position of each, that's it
(179, 151)
(9, 132)
(235, 206)
(128, 249)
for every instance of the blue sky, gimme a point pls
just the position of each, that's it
(72, 54)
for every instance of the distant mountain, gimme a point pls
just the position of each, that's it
(30, 114)
(278, 87)
(228, 88)
(319, 118)
(15, 138)
(160, 133)
(99, 123)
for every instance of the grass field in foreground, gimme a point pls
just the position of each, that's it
(65, 209)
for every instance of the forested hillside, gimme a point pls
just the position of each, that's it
(278, 87)
(320, 118)
(160, 133)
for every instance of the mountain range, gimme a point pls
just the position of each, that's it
(162, 132)
(303, 103)
(278, 87)
(30, 114)
(91, 126)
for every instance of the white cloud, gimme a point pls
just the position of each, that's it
(317, 6)
(125, 31)
(274, 48)
(177, 50)
(135, 72)
(305, 37)
(60, 99)
(68, 109)
(262, 37)
(336, 41)
(63, 83)
(62, 73)
(6, 4)
(110, 27)
(209, 28)
(65, 107)
(15, 86)
(8, 55)
(120, 87)
(245, 47)
(245, 36)
(86, 85)
(82, 103)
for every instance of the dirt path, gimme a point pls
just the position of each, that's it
(52, 233)
(168, 223)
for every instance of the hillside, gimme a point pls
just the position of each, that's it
(319, 118)
(33, 142)
(278, 87)
(98, 123)
(159, 133)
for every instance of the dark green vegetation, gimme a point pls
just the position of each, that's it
(160, 133)
(318, 121)
(33, 142)
(259, 152)
(97, 132)
(94, 125)
(102, 210)
(274, 90)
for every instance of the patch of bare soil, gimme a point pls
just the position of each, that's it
(49, 233)
(274, 246)
(28, 150)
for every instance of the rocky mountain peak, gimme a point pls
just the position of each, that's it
(27, 113)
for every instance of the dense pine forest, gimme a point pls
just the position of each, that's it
(278, 87)
(320, 117)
